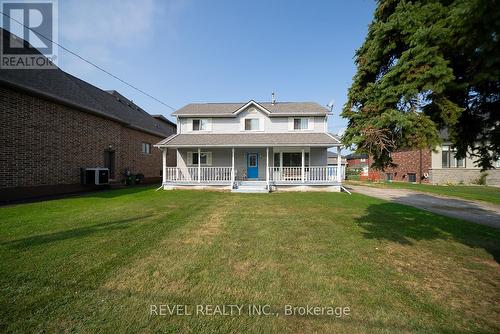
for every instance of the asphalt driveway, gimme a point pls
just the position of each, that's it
(474, 211)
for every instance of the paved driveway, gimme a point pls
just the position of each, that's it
(474, 211)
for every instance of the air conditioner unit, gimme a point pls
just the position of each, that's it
(97, 176)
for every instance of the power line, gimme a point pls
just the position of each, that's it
(91, 63)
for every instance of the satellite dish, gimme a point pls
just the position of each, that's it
(330, 105)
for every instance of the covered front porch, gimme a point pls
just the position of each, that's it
(237, 167)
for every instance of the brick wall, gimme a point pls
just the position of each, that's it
(137, 162)
(408, 161)
(45, 143)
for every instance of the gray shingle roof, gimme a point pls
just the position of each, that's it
(250, 139)
(60, 86)
(228, 109)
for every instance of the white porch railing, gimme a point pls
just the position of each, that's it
(206, 174)
(311, 174)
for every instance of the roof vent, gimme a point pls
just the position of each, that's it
(273, 100)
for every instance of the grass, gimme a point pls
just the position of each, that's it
(96, 263)
(479, 193)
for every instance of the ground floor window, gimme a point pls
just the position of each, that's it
(412, 177)
(146, 148)
(294, 159)
(449, 160)
(205, 158)
(389, 176)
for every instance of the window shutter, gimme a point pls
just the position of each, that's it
(190, 124)
(242, 124)
(209, 124)
(310, 123)
(190, 158)
(261, 123)
(209, 158)
(290, 123)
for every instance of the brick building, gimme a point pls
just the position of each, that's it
(438, 166)
(54, 124)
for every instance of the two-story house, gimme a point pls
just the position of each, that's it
(252, 147)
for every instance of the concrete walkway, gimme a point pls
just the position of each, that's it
(474, 211)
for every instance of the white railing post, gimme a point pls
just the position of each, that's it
(303, 169)
(267, 167)
(232, 168)
(339, 165)
(164, 174)
(199, 165)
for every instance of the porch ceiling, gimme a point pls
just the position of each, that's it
(250, 139)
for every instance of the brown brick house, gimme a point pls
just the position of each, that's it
(54, 124)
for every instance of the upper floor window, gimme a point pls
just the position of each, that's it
(146, 148)
(200, 124)
(449, 160)
(252, 124)
(300, 123)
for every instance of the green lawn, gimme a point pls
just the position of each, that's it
(480, 193)
(97, 263)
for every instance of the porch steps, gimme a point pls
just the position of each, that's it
(250, 187)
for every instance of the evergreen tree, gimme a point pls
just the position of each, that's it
(426, 66)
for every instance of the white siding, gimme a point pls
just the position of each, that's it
(236, 125)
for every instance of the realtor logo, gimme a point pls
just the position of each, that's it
(29, 32)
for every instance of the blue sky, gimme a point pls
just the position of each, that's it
(217, 51)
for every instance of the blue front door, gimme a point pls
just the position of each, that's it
(252, 165)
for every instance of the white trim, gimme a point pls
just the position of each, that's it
(165, 140)
(249, 103)
(250, 145)
(260, 127)
(329, 134)
(164, 166)
(190, 125)
(310, 124)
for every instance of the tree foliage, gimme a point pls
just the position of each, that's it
(426, 66)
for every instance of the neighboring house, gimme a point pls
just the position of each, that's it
(358, 161)
(438, 166)
(332, 161)
(252, 147)
(54, 124)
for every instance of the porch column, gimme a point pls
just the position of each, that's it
(267, 167)
(164, 173)
(303, 169)
(232, 168)
(177, 165)
(339, 165)
(199, 165)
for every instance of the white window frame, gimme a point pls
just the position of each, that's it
(146, 148)
(259, 125)
(208, 161)
(207, 122)
(310, 123)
